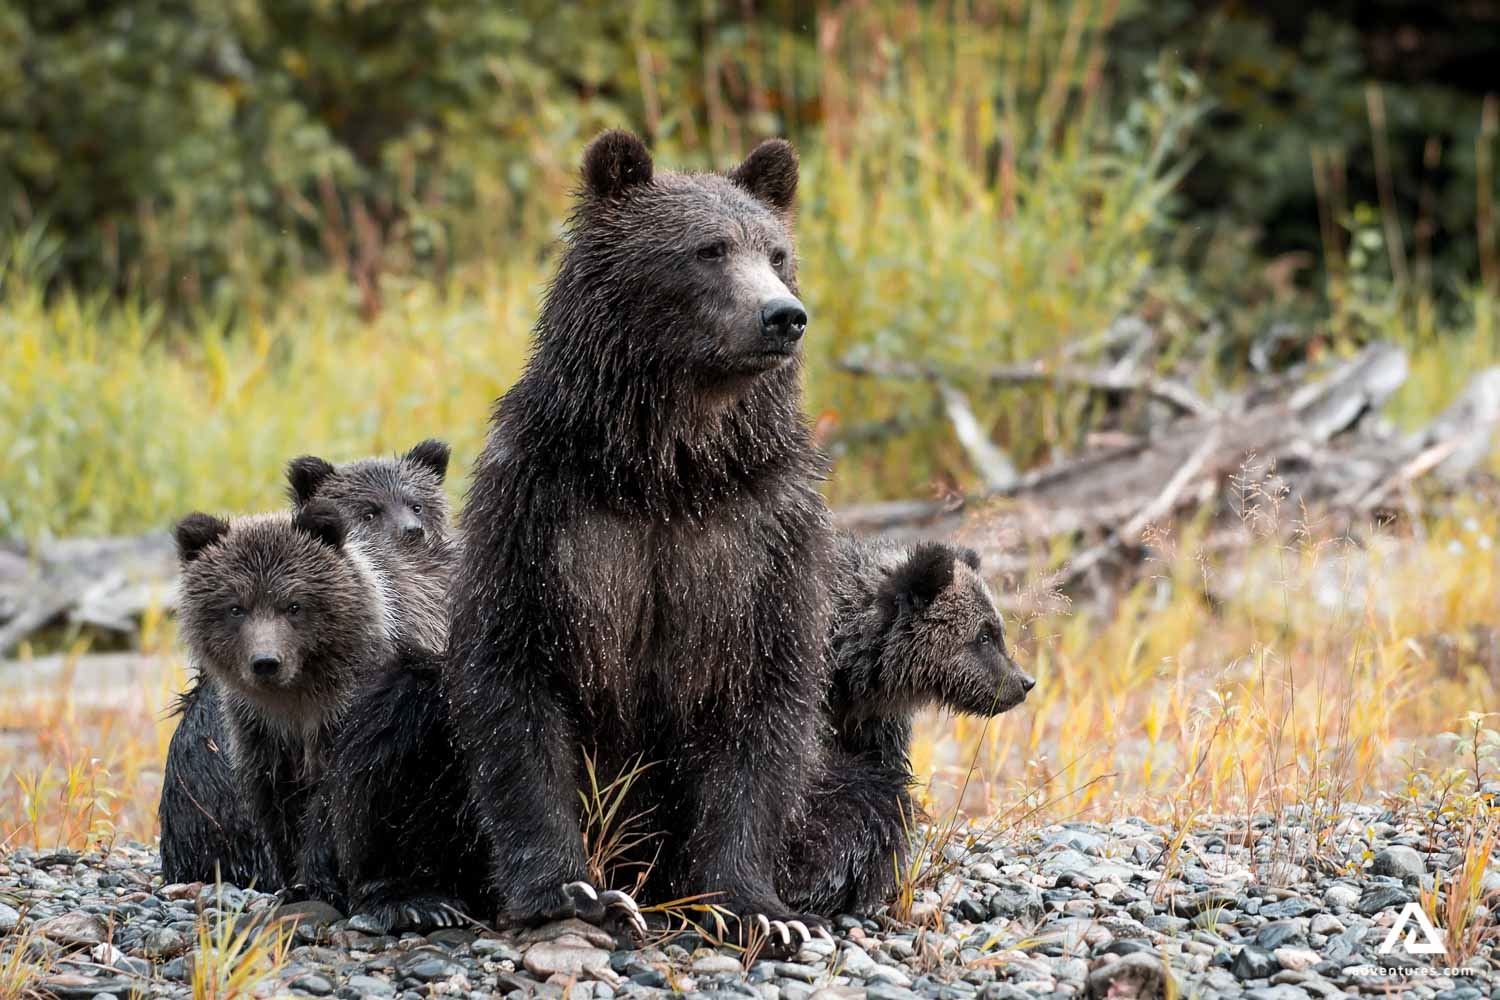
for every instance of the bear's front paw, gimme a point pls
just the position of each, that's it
(574, 899)
(416, 913)
(775, 936)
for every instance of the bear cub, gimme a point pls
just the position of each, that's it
(397, 511)
(282, 615)
(912, 627)
(398, 505)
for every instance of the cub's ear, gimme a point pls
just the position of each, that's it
(967, 556)
(197, 532)
(922, 577)
(770, 174)
(304, 476)
(433, 454)
(615, 162)
(322, 520)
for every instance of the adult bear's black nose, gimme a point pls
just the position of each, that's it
(265, 665)
(784, 319)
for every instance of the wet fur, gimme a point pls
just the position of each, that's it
(398, 509)
(204, 829)
(904, 636)
(275, 738)
(644, 551)
(392, 829)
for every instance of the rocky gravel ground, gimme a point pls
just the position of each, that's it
(1095, 910)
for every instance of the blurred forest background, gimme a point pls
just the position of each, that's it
(232, 231)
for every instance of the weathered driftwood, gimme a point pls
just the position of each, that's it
(105, 583)
(1309, 444)
(1106, 488)
(1301, 442)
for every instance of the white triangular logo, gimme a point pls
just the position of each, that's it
(1433, 943)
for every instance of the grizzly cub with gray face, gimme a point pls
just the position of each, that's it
(397, 511)
(398, 507)
(912, 627)
(282, 616)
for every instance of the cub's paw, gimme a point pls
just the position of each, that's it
(608, 909)
(414, 913)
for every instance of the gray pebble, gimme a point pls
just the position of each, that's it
(313, 983)
(1254, 963)
(1379, 897)
(1398, 862)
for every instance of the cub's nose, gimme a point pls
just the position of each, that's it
(783, 319)
(1027, 682)
(265, 665)
(412, 531)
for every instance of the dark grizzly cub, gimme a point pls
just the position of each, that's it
(645, 549)
(205, 833)
(399, 505)
(398, 513)
(912, 627)
(281, 615)
(392, 834)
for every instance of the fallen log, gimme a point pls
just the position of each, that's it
(105, 583)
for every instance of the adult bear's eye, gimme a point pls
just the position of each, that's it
(713, 251)
(778, 258)
(235, 611)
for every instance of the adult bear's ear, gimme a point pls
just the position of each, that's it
(322, 520)
(918, 581)
(432, 454)
(770, 174)
(304, 476)
(615, 162)
(197, 532)
(967, 556)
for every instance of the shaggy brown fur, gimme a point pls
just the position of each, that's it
(398, 508)
(283, 616)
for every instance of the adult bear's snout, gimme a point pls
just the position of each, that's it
(783, 320)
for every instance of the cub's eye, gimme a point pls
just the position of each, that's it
(293, 608)
(369, 515)
(713, 251)
(778, 258)
(416, 508)
(235, 611)
(985, 639)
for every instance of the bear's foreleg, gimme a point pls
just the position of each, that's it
(523, 781)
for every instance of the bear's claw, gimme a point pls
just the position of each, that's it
(779, 932)
(435, 916)
(610, 899)
(413, 914)
(623, 901)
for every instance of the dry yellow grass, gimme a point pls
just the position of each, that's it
(1306, 671)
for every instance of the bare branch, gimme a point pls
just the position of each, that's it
(1173, 393)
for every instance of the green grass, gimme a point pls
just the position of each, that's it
(936, 222)
(973, 195)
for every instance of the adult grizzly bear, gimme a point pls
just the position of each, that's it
(645, 548)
